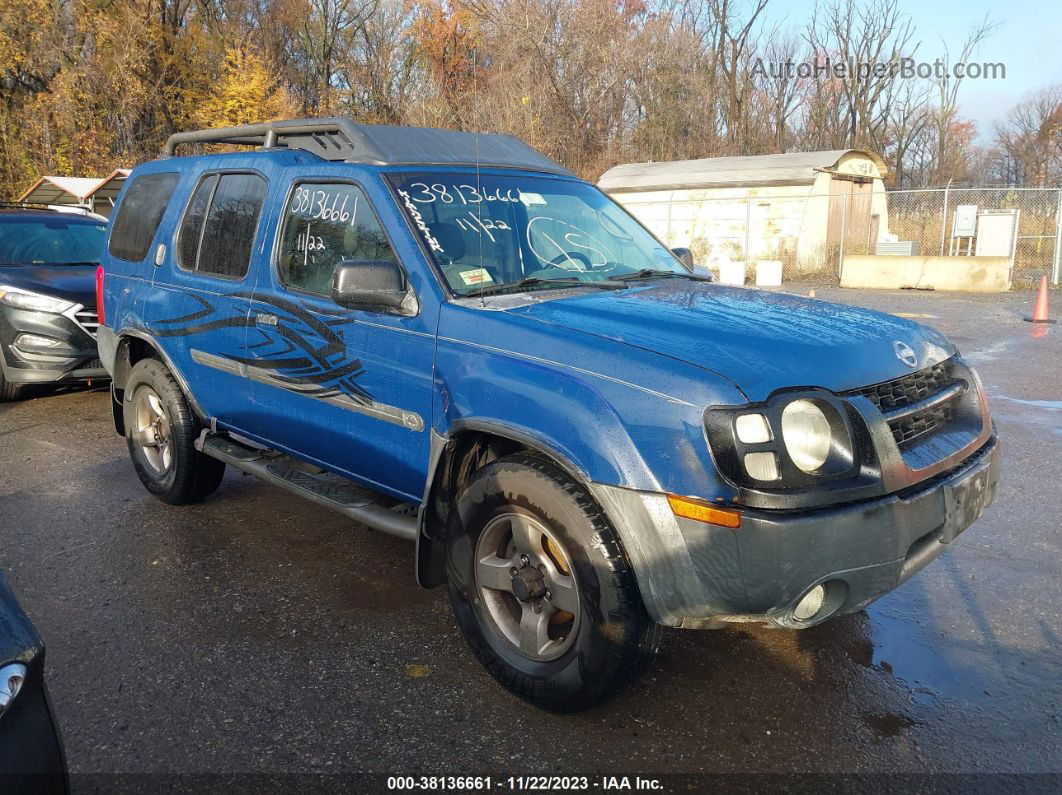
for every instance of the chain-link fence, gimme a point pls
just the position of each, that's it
(810, 234)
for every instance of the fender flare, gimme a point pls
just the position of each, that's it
(122, 367)
(429, 557)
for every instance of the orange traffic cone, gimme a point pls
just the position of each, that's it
(1040, 310)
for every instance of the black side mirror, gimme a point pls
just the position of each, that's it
(685, 256)
(376, 285)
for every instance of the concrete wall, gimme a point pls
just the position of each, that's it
(967, 274)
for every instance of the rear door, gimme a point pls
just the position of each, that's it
(200, 314)
(348, 389)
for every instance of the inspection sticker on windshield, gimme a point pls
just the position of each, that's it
(477, 276)
(531, 199)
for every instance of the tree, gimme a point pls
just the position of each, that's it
(247, 92)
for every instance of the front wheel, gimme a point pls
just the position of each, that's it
(541, 588)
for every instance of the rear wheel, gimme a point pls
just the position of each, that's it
(541, 588)
(161, 430)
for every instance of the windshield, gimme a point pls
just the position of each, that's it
(51, 241)
(493, 230)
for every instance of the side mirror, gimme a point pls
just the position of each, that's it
(685, 256)
(375, 285)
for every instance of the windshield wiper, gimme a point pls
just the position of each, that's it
(536, 281)
(650, 273)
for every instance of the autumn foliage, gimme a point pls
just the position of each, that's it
(89, 85)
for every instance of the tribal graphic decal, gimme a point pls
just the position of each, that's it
(295, 349)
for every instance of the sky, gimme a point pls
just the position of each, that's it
(1027, 41)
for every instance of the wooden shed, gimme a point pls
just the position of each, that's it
(800, 207)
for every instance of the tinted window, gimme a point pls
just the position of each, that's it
(231, 221)
(325, 224)
(192, 225)
(50, 241)
(138, 218)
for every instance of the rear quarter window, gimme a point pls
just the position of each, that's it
(138, 217)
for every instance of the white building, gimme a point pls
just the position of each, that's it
(789, 207)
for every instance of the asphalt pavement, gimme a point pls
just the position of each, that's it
(259, 633)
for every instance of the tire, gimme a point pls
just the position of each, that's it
(161, 430)
(8, 391)
(582, 656)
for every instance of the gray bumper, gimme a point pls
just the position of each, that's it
(698, 575)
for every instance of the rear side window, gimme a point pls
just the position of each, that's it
(217, 233)
(139, 216)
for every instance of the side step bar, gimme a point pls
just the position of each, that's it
(325, 489)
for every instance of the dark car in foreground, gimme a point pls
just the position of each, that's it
(31, 753)
(48, 261)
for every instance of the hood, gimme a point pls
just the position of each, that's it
(73, 282)
(762, 341)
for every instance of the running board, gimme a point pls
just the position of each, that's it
(325, 489)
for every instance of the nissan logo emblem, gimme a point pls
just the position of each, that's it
(905, 354)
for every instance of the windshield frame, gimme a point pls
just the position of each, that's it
(68, 219)
(391, 177)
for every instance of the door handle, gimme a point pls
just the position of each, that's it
(266, 319)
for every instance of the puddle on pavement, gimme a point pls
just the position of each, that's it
(929, 670)
(1052, 405)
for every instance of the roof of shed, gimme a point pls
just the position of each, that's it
(790, 168)
(109, 186)
(60, 190)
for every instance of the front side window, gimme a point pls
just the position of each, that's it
(217, 233)
(145, 200)
(55, 240)
(492, 230)
(325, 224)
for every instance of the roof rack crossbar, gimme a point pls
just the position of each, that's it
(331, 138)
(343, 139)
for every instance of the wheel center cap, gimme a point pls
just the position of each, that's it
(528, 583)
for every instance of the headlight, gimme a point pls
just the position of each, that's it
(25, 299)
(793, 440)
(807, 435)
(11, 678)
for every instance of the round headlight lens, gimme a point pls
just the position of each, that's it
(807, 435)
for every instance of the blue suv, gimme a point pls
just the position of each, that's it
(449, 337)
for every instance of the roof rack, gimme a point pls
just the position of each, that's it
(27, 206)
(70, 209)
(343, 139)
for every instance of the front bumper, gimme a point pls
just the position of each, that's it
(31, 751)
(74, 360)
(698, 575)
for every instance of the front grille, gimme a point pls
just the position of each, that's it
(893, 397)
(902, 392)
(88, 320)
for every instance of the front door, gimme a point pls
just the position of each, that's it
(348, 389)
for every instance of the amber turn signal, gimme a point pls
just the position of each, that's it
(701, 511)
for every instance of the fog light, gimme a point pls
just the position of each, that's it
(37, 341)
(809, 606)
